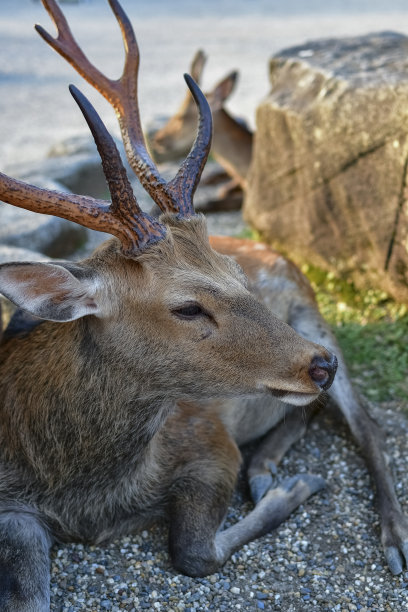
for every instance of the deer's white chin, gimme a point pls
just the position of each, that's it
(294, 398)
(300, 399)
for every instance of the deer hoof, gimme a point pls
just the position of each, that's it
(312, 481)
(396, 559)
(259, 484)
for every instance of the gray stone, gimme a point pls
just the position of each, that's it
(8, 254)
(328, 177)
(50, 235)
(73, 163)
(73, 145)
(226, 224)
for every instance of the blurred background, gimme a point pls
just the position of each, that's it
(36, 109)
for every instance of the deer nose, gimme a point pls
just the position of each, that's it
(322, 372)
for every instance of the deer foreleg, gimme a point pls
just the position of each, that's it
(394, 524)
(24, 562)
(264, 462)
(197, 545)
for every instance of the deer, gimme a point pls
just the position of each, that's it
(232, 140)
(169, 351)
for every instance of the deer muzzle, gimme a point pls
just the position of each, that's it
(322, 372)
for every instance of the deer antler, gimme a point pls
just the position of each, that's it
(177, 194)
(122, 217)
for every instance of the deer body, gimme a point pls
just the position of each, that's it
(232, 141)
(114, 383)
(102, 443)
(126, 389)
(232, 147)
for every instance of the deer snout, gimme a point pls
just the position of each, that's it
(322, 372)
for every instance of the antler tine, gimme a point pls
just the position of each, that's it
(187, 178)
(127, 112)
(66, 45)
(137, 229)
(68, 206)
(132, 57)
(123, 218)
(122, 95)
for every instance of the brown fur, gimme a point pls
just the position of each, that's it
(110, 421)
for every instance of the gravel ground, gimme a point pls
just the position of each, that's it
(326, 557)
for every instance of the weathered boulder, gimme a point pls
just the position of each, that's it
(50, 235)
(329, 170)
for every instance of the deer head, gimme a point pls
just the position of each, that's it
(168, 310)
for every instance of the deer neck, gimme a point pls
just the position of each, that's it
(75, 408)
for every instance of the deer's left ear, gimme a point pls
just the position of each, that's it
(56, 292)
(224, 89)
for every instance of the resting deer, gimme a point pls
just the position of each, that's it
(232, 140)
(119, 386)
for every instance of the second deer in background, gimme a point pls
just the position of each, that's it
(232, 139)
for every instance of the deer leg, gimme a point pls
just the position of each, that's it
(229, 188)
(264, 462)
(24, 562)
(200, 494)
(394, 524)
(197, 545)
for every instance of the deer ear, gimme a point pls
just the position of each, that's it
(224, 89)
(197, 65)
(56, 292)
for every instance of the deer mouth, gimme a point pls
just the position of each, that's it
(295, 398)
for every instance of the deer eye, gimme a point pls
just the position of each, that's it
(190, 311)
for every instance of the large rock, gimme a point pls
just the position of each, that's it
(9, 254)
(329, 171)
(50, 235)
